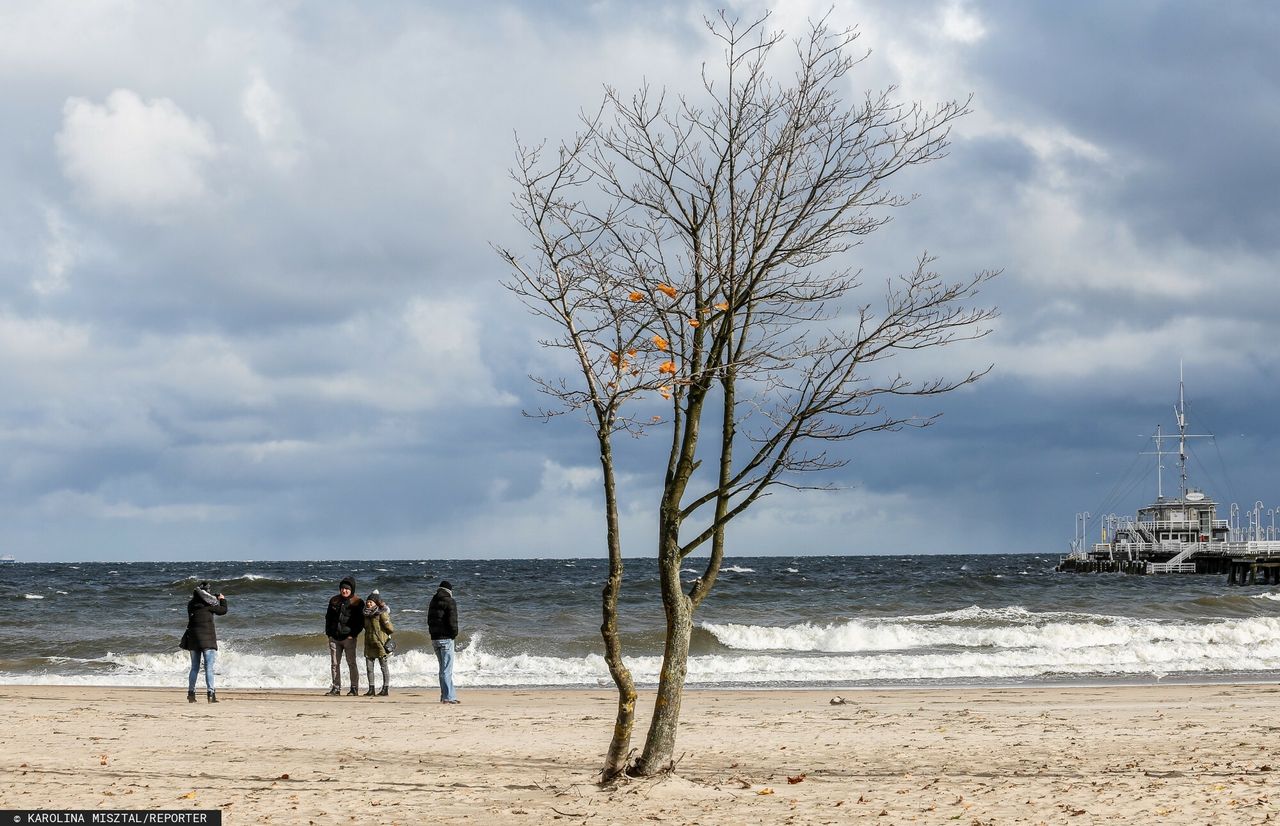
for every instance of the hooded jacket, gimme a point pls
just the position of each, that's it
(200, 612)
(442, 616)
(377, 628)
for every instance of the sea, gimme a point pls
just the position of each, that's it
(775, 622)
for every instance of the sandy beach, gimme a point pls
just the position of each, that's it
(1173, 754)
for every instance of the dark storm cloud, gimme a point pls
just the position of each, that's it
(248, 304)
(1186, 95)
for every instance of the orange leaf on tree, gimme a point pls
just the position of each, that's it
(693, 322)
(667, 290)
(722, 306)
(667, 367)
(665, 392)
(636, 295)
(660, 342)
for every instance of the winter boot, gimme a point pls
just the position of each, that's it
(213, 697)
(191, 696)
(383, 692)
(370, 692)
(354, 692)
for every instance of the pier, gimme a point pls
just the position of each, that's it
(1243, 563)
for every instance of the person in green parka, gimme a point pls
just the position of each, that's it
(377, 630)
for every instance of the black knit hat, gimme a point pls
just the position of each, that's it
(348, 582)
(444, 583)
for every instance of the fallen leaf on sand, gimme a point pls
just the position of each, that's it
(765, 790)
(799, 778)
(187, 796)
(284, 777)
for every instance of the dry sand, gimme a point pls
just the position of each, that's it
(1164, 754)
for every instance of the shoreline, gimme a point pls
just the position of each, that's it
(1128, 754)
(1245, 678)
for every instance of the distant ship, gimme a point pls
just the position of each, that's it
(7, 558)
(1183, 534)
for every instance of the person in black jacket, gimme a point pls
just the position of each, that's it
(201, 638)
(442, 621)
(342, 624)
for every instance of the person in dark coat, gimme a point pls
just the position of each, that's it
(442, 621)
(201, 638)
(342, 624)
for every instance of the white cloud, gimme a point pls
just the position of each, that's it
(426, 358)
(273, 122)
(39, 341)
(142, 155)
(960, 23)
(60, 255)
(73, 503)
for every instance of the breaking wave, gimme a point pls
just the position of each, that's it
(973, 644)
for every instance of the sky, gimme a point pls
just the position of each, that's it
(250, 306)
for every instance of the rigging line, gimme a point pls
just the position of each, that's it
(1231, 489)
(1106, 500)
(1218, 484)
(1226, 474)
(1131, 488)
(1138, 473)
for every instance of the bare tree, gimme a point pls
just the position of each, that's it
(691, 250)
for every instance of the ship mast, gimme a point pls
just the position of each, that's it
(1181, 413)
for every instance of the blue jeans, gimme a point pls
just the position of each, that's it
(209, 655)
(444, 653)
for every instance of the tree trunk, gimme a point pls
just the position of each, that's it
(615, 762)
(659, 745)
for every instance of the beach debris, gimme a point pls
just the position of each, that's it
(799, 778)
(187, 796)
(765, 790)
(837, 700)
(284, 776)
(102, 760)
